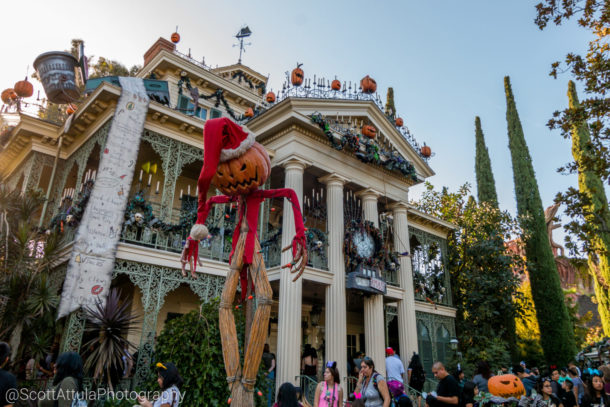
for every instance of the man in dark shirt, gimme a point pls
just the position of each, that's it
(8, 382)
(447, 391)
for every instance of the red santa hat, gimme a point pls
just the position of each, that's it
(223, 140)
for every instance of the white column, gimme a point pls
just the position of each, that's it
(407, 324)
(289, 321)
(374, 323)
(335, 332)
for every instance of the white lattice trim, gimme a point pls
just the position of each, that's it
(227, 154)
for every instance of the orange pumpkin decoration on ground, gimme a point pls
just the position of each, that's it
(71, 109)
(399, 122)
(297, 75)
(249, 112)
(335, 85)
(369, 131)
(426, 151)
(175, 38)
(506, 386)
(368, 85)
(8, 95)
(245, 173)
(24, 88)
(270, 98)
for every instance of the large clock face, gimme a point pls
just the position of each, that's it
(365, 246)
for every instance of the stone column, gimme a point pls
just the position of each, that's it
(335, 331)
(374, 326)
(407, 324)
(290, 302)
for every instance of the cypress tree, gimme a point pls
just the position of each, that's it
(556, 332)
(596, 214)
(486, 185)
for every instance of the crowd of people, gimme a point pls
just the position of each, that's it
(562, 387)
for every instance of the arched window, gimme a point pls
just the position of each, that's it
(425, 346)
(443, 348)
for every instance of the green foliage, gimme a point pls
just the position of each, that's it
(110, 325)
(482, 279)
(557, 337)
(192, 343)
(528, 331)
(486, 185)
(28, 278)
(590, 214)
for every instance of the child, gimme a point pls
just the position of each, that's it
(569, 399)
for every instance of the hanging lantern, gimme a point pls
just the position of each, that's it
(8, 95)
(297, 75)
(368, 85)
(335, 84)
(399, 122)
(24, 88)
(270, 97)
(425, 151)
(249, 112)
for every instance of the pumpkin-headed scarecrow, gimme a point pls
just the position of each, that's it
(238, 166)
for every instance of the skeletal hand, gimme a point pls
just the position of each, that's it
(299, 257)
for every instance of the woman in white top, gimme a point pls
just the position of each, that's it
(170, 382)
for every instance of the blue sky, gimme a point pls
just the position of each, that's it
(445, 59)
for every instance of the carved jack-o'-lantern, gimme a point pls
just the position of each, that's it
(297, 75)
(24, 88)
(368, 85)
(175, 38)
(8, 95)
(369, 131)
(245, 173)
(270, 98)
(335, 85)
(507, 385)
(399, 122)
(249, 112)
(426, 151)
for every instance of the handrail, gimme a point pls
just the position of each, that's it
(308, 386)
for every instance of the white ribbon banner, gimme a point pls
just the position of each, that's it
(92, 260)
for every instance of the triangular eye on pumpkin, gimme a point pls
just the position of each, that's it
(243, 174)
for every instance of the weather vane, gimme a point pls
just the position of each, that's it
(244, 32)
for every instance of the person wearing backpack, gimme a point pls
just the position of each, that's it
(399, 398)
(67, 383)
(372, 386)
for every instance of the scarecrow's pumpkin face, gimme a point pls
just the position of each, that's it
(243, 174)
(506, 386)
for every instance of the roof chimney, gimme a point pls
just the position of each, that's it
(161, 44)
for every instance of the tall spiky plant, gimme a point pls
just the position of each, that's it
(109, 325)
(556, 332)
(590, 205)
(486, 184)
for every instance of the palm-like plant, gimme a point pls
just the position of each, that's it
(110, 325)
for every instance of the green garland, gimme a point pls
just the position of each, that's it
(240, 75)
(372, 153)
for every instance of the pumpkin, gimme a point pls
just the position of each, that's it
(297, 75)
(71, 109)
(243, 174)
(175, 38)
(399, 122)
(24, 88)
(369, 131)
(426, 151)
(368, 85)
(506, 386)
(335, 85)
(249, 112)
(270, 98)
(8, 95)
